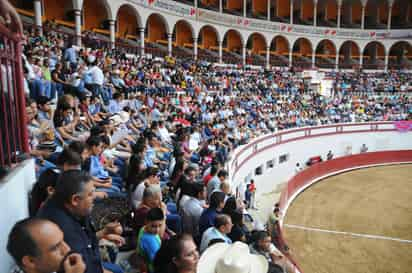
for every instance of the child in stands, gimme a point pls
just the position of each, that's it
(148, 240)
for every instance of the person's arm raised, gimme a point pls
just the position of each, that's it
(10, 17)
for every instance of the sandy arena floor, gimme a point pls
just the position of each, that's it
(373, 201)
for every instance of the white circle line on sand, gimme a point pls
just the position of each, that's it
(369, 236)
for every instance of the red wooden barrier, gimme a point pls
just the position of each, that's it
(310, 175)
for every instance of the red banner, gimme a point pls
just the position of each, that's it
(403, 126)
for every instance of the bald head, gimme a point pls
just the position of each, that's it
(225, 187)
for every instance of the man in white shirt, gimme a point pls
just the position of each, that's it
(223, 226)
(95, 72)
(96, 76)
(193, 208)
(164, 133)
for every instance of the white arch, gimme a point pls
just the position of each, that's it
(305, 38)
(165, 22)
(391, 43)
(218, 35)
(323, 40)
(397, 42)
(260, 34)
(109, 6)
(371, 42)
(282, 36)
(350, 41)
(242, 42)
(187, 23)
(135, 12)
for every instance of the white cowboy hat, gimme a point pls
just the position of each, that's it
(234, 258)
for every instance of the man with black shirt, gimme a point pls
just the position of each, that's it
(70, 209)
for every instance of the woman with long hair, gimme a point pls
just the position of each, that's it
(177, 255)
(177, 173)
(135, 172)
(43, 189)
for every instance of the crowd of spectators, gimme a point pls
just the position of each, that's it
(105, 125)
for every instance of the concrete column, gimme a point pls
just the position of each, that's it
(112, 31)
(339, 15)
(169, 44)
(337, 61)
(220, 51)
(389, 17)
(195, 48)
(313, 59)
(290, 58)
(141, 34)
(291, 12)
(361, 60)
(363, 18)
(268, 9)
(386, 61)
(315, 13)
(244, 8)
(244, 55)
(37, 16)
(220, 6)
(268, 57)
(78, 26)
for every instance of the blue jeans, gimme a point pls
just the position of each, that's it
(43, 166)
(112, 267)
(171, 207)
(173, 220)
(59, 88)
(106, 94)
(117, 181)
(114, 191)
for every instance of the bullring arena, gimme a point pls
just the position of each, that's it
(359, 221)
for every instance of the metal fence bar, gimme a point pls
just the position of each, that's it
(13, 129)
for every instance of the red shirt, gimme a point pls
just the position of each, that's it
(83, 108)
(207, 178)
(252, 187)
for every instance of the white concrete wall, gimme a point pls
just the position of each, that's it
(301, 150)
(14, 190)
(172, 12)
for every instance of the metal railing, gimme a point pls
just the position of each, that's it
(13, 132)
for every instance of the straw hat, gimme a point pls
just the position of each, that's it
(234, 258)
